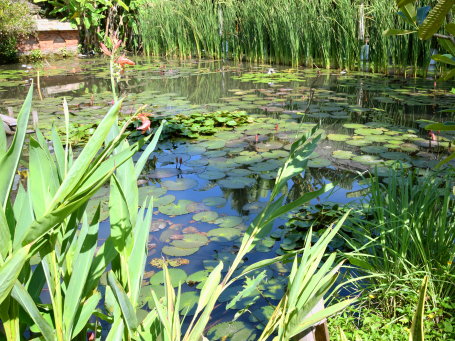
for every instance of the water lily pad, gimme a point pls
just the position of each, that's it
(206, 217)
(275, 154)
(199, 276)
(164, 200)
(368, 131)
(359, 142)
(248, 159)
(215, 153)
(191, 240)
(373, 149)
(269, 145)
(179, 208)
(228, 221)
(395, 156)
(342, 154)
(266, 166)
(177, 276)
(181, 184)
(233, 331)
(174, 262)
(150, 191)
(240, 172)
(367, 159)
(236, 182)
(213, 144)
(160, 173)
(338, 137)
(214, 201)
(318, 163)
(197, 163)
(178, 251)
(224, 234)
(212, 175)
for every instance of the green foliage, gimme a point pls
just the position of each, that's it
(195, 125)
(15, 22)
(15, 19)
(98, 19)
(35, 56)
(286, 32)
(407, 234)
(427, 22)
(8, 49)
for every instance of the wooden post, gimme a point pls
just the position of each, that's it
(318, 332)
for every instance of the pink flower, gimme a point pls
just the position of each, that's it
(145, 122)
(105, 50)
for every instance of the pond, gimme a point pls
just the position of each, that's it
(207, 189)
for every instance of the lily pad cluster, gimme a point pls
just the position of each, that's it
(201, 124)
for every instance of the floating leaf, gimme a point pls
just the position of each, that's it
(181, 184)
(228, 221)
(212, 175)
(236, 182)
(179, 208)
(342, 154)
(224, 234)
(214, 201)
(206, 217)
(233, 331)
(318, 163)
(176, 275)
(190, 241)
(338, 137)
(178, 251)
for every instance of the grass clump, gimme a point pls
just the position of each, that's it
(407, 233)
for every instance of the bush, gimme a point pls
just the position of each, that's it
(15, 21)
(8, 50)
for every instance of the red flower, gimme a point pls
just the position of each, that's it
(122, 61)
(105, 50)
(145, 122)
(432, 135)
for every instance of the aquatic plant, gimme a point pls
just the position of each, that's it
(322, 33)
(408, 233)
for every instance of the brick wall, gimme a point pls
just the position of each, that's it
(50, 42)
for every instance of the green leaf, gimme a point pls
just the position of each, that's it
(250, 286)
(129, 314)
(150, 148)
(209, 287)
(435, 19)
(26, 301)
(446, 126)
(43, 178)
(396, 32)
(85, 159)
(446, 160)
(80, 272)
(444, 58)
(450, 28)
(10, 160)
(10, 270)
(416, 332)
(85, 313)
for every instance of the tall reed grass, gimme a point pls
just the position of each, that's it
(322, 33)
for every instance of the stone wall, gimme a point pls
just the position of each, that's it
(50, 42)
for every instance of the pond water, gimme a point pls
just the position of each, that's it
(204, 203)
